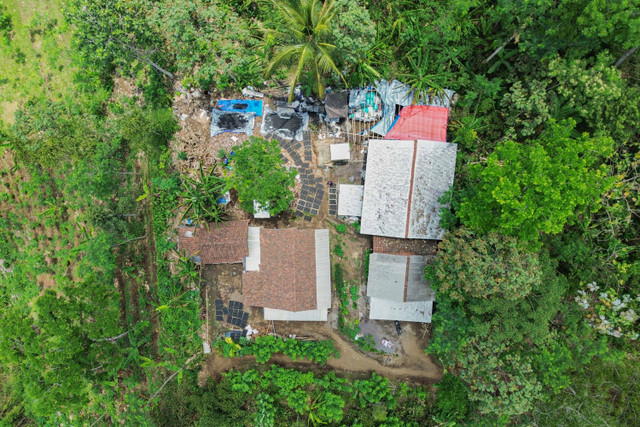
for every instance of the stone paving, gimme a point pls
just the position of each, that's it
(312, 191)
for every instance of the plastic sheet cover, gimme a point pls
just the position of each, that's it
(284, 125)
(241, 106)
(231, 121)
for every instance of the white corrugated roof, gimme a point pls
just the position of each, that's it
(417, 311)
(252, 262)
(350, 199)
(340, 152)
(404, 181)
(323, 270)
(319, 315)
(386, 188)
(387, 276)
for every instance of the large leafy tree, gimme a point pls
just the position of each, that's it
(304, 39)
(524, 189)
(496, 302)
(258, 174)
(111, 34)
(209, 40)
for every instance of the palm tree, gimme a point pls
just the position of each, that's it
(303, 41)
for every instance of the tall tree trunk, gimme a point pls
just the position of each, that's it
(626, 55)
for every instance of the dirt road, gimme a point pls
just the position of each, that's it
(414, 365)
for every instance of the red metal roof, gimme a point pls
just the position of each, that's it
(421, 122)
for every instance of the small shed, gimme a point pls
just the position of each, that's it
(350, 200)
(260, 212)
(397, 288)
(340, 152)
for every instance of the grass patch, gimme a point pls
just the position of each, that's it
(35, 59)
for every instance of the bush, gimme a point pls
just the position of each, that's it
(337, 249)
(453, 398)
(259, 174)
(263, 347)
(341, 228)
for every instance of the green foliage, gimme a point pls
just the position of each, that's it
(354, 36)
(468, 266)
(609, 313)
(338, 250)
(341, 228)
(114, 35)
(527, 108)
(526, 189)
(304, 39)
(453, 398)
(501, 382)
(263, 347)
(200, 197)
(604, 393)
(265, 414)
(258, 174)
(210, 41)
(48, 133)
(365, 263)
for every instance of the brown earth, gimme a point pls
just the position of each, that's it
(414, 365)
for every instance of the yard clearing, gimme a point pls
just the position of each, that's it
(405, 359)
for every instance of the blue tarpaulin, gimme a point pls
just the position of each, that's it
(241, 106)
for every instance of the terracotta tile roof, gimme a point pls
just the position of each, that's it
(287, 276)
(224, 243)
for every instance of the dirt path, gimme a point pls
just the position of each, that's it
(414, 365)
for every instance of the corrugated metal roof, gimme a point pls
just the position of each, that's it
(404, 181)
(386, 188)
(434, 173)
(387, 275)
(252, 261)
(323, 270)
(319, 315)
(417, 287)
(382, 309)
(350, 199)
(340, 152)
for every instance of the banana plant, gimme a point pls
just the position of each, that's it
(200, 197)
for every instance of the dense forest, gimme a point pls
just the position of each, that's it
(537, 278)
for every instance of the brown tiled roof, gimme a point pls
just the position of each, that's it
(394, 246)
(287, 276)
(224, 243)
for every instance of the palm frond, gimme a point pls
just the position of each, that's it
(283, 56)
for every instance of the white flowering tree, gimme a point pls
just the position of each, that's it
(610, 313)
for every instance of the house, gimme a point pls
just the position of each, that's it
(397, 289)
(288, 272)
(404, 181)
(223, 243)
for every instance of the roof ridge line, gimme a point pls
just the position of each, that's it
(413, 170)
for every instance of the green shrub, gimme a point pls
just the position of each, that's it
(259, 174)
(453, 398)
(341, 228)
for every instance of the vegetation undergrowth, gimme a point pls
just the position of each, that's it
(263, 347)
